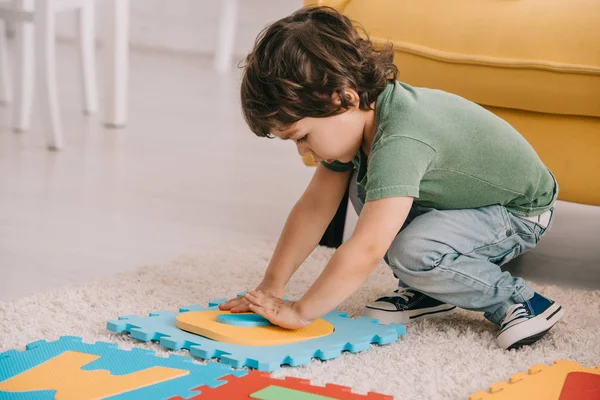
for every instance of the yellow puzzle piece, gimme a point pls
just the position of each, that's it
(204, 323)
(64, 375)
(565, 380)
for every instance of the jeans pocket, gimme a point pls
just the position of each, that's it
(533, 228)
(506, 256)
(529, 231)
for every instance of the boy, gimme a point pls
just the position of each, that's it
(446, 191)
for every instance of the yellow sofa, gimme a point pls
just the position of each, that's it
(534, 63)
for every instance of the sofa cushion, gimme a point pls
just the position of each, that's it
(535, 55)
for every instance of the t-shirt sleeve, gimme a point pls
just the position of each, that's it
(338, 166)
(396, 167)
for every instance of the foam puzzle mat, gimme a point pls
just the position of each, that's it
(352, 335)
(260, 385)
(565, 380)
(69, 369)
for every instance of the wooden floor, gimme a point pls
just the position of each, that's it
(185, 175)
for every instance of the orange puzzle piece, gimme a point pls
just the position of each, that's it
(565, 380)
(206, 323)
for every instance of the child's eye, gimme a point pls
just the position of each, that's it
(302, 139)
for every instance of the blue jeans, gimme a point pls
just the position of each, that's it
(455, 256)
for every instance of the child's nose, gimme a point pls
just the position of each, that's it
(302, 149)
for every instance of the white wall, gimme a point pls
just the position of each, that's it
(189, 25)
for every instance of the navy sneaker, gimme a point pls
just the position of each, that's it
(406, 305)
(526, 323)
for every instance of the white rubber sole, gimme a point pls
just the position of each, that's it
(531, 330)
(386, 317)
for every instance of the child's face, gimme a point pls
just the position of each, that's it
(338, 137)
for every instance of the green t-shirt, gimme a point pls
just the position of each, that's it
(449, 153)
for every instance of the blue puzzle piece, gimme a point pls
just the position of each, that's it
(243, 320)
(117, 362)
(352, 335)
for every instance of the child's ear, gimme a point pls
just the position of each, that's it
(350, 96)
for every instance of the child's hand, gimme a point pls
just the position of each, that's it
(241, 305)
(277, 311)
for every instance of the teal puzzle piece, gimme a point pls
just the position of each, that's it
(353, 335)
(117, 362)
(243, 320)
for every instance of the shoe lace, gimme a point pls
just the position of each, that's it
(404, 293)
(515, 311)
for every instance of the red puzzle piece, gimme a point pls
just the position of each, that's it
(581, 386)
(243, 387)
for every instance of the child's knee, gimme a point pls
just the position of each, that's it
(410, 254)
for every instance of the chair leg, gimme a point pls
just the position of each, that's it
(226, 36)
(116, 48)
(87, 55)
(5, 84)
(45, 40)
(334, 234)
(24, 70)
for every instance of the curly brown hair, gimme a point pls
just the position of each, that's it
(300, 61)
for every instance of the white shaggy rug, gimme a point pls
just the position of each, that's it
(448, 358)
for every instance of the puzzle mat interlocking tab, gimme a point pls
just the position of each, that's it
(70, 369)
(249, 387)
(353, 335)
(565, 380)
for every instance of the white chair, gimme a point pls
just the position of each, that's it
(40, 14)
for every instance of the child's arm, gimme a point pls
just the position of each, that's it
(303, 229)
(379, 223)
